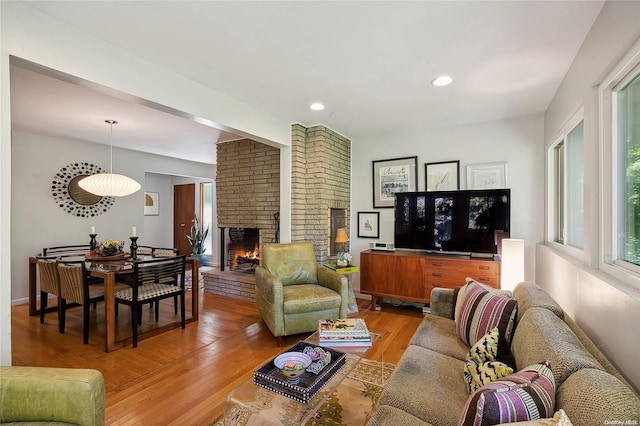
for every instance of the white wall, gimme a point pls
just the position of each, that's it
(158, 230)
(606, 309)
(37, 221)
(515, 141)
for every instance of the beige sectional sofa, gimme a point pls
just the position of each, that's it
(428, 386)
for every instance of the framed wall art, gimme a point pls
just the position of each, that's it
(151, 206)
(391, 176)
(368, 224)
(487, 176)
(74, 200)
(442, 176)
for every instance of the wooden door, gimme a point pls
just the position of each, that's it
(184, 205)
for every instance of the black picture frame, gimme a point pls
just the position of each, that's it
(368, 224)
(442, 176)
(391, 176)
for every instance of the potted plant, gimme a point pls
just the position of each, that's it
(197, 236)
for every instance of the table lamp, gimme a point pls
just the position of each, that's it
(342, 238)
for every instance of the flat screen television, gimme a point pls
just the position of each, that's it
(457, 222)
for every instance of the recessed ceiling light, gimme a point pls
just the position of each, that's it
(443, 80)
(316, 106)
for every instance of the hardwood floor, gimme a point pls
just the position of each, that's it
(180, 377)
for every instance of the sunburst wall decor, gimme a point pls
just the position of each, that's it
(73, 199)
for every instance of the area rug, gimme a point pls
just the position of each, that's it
(351, 403)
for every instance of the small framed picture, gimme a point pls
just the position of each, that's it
(151, 206)
(391, 176)
(368, 224)
(442, 176)
(487, 175)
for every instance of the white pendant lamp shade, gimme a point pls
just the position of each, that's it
(109, 184)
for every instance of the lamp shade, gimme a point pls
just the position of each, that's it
(512, 263)
(341, 235)
(109, 185)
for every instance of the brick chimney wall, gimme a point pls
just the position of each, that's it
(321, 180)
(248, 186)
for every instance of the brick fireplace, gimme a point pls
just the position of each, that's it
(248, 196)
(240, 249)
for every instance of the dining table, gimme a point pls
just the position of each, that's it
(108, 271)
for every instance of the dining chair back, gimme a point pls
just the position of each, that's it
(75, 287)
(165, 252)
(153, 280)
(72, 250)
(144, 250)
(49, 283)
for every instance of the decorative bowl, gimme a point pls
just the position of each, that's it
(292, 364)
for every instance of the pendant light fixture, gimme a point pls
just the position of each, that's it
(109, 184)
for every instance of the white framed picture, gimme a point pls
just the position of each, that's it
(151, 207)
(487, 175)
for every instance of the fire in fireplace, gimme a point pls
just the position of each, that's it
(243, 249)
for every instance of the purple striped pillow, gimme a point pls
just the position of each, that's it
(526, 395)
(480, 311)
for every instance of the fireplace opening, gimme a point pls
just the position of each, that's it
(242, 249)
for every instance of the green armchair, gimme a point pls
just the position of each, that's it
(293, 292)
(42, 395)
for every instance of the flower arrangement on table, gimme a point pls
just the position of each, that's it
(343, 258)
(110, 248)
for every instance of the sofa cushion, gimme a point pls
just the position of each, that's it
(423, 383)
(526, 395)
(301, 298)
(459, 294)
(592, 396)
(560, 418)
(480, 311)
(477, 375)
(481, 367)
(542, 335)
(531, 295)
(386, 415)
(485, 349)
(439, 334)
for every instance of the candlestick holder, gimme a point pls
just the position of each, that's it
(134, 247)
(92, 243)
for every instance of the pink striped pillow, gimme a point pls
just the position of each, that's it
(480, 311)
(526, 395)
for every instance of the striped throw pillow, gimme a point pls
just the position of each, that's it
(480, 311)
(526, 395)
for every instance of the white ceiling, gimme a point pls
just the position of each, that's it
(369, 62)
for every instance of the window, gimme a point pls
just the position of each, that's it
(628, 173)
(620, 114)
(567, 185)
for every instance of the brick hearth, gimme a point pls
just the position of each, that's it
(238, 285)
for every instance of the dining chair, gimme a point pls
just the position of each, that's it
(76, 287)
(153, 280)
(160, 252)
(165, 252)
(49, 283)
(71, 250)
(144, 250)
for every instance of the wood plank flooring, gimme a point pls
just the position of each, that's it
(181, 377)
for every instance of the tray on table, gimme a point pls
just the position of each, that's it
(269, 376)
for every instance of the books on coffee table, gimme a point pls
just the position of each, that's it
(344, 332)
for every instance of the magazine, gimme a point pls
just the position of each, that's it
(348, 327)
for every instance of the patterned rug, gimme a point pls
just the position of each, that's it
(352, 402)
